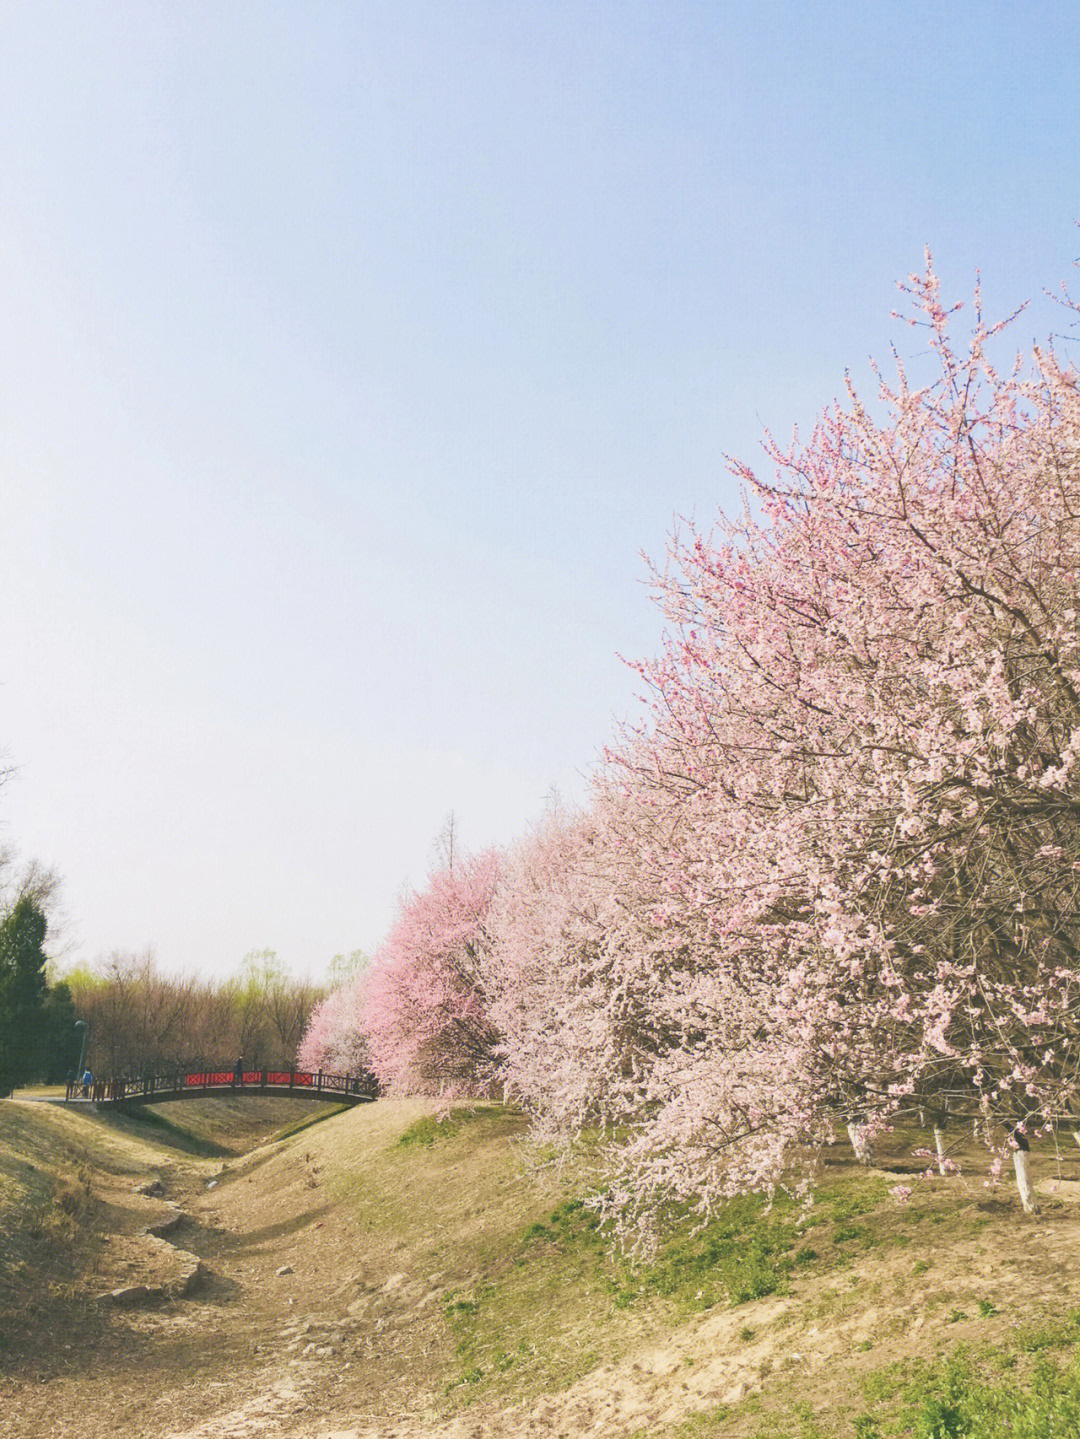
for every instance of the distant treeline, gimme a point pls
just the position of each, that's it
(136, 1016)
(143, 1019)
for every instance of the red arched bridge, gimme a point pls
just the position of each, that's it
(191, 1084)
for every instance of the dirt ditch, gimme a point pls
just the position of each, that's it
(302, 1290)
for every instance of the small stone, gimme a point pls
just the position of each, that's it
(192, 1280)
(285, 1269)
(129, 1294)
(165, 1226)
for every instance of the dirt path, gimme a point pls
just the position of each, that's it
(244, 1313)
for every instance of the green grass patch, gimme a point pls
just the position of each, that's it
(843, 1232)
(707, 1422)
(745, 1252)
(955, 1401)
(429, 1130)
(964, 1396)
(510, 1327)
(960, 1396)
(1053, 1334)
(748, 1250)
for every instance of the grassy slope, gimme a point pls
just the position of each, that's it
(58, 1165)
(481, 1280)
(220, 1126)
(533, 1298)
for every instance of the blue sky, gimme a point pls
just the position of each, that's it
(351, 355)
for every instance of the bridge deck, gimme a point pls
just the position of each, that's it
(188, 1084)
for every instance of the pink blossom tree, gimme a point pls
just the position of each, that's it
(423, 1013)
(867, 722)
(564, 976)
(334, 1041)
(838, 872)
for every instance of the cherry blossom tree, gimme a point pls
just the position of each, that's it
(422, 1010)
(865, 735)
(615, 1016)
(333, 1041)
(563, 977)
(837, 872)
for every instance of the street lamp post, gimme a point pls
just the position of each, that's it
(81, 1024)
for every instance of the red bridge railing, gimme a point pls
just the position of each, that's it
(185, 1083)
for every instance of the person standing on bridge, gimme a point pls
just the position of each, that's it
(238, 1073)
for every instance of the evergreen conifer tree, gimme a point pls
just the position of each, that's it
(23, 988)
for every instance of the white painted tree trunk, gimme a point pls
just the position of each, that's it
(939, 1145)
(857, 1135)
(1023, 1180)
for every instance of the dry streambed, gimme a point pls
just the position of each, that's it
(359, 1366)
(814, 1347)
(142, 1268)
(306, 1289)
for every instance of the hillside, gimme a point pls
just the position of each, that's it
(378, 1273)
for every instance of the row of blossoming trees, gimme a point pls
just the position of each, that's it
(835, 876)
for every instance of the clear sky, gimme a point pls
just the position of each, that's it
(352, 353)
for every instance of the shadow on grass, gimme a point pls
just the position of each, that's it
(175, 1136)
